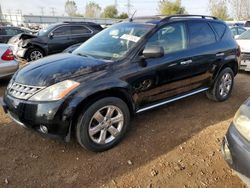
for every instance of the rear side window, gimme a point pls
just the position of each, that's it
(2, 31)
(200, 34)
(219, 28)
(79, 30)
(61, 31)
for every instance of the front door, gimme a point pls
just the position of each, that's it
(170, 75)
(59, 39)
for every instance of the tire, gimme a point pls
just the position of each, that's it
(225, 82)
(34, 54)
(90, 131)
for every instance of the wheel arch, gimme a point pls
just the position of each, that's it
(121, 93)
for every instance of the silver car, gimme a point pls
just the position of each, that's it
(8, 64)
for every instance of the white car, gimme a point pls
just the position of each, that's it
(244, 42)
(8, 64)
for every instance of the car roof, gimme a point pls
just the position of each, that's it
(157, 19)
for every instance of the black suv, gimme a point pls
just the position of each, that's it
(53, 39)
(6, 32)
(126, 69)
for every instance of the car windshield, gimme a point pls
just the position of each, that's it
(244, 36)
(115, 42)
(44, 31)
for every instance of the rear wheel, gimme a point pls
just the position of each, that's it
(223, 86)
(103, 124)
(35, 54)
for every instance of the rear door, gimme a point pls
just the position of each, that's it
(80, 34)
(204, 49)
(59, 39)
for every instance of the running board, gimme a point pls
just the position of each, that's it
(171, 100)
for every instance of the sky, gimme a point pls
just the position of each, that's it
(142, 7)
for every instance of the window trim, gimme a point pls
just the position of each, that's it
(217, 35)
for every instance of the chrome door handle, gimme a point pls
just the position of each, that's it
(186, 62)
(220, 54)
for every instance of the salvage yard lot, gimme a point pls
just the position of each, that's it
(175, 146)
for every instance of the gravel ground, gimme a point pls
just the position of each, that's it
(174, 146)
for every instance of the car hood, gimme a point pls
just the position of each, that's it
(56, 68)
(244, 45)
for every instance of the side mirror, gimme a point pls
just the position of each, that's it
(51, 35)
(153, 52)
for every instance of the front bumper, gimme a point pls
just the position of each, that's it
(34, 116)
(236, 151)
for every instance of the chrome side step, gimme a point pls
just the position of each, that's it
(171, 100)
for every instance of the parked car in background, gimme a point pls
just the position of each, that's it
(72, 48)
(8, 64)
(6, 32)
(126, 69)
(237, 31)
(244, 41)
(236, 143)
(53, 39)
(247, 24)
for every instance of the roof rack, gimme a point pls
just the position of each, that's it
(187, 15)
(77, 22)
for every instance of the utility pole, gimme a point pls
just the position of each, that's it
(53, 11)
(42, 10)
(129, 6)
(116, 4)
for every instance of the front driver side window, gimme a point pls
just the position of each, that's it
(172, 38)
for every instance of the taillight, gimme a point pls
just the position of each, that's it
(8, 55)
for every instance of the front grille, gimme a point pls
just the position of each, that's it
(21, 91)
(245, 56)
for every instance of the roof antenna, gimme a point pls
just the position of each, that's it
(131, 18)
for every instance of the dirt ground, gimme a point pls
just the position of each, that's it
(174, 146)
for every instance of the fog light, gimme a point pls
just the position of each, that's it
(43, 129)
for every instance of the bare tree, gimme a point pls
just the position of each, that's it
(92, 10)
(70, 7)
(240, 9)
(218, 8)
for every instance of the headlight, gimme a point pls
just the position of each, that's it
(55, 92)
(242, 121)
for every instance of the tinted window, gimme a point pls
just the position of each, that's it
(12, 31)
(2, 31)
(200, 34)
(219, 28)
(61, 31)
(172, 38)
(78, 30)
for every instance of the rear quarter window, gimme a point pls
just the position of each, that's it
(200, 34)
(219, 29)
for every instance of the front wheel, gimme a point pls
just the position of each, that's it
(103, 124)
(34, 54)
(223, 86)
